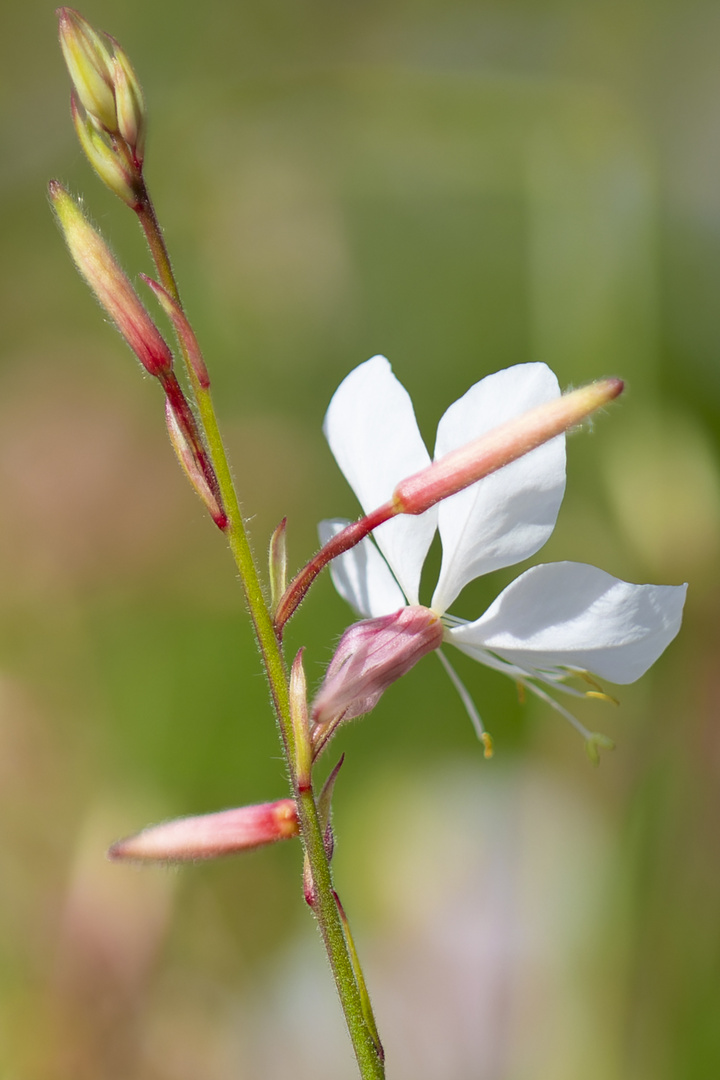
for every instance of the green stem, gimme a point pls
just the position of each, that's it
(324, 905)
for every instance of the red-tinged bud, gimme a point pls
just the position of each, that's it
(505, 443)
(129, 102)
(192, 468)
(324, 809)
(110, 284)
(184, 331)
(370, 656)
(211, 835)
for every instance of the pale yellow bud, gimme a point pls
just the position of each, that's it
(89, 63)
(111, 166)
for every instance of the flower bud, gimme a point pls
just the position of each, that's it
(190, 465)
(110, 284)
(129, 102)
(89, 62)
(371, 656)
(277, 564)
(114, 169)
(183, 329)
(108, 106)
(300, 724)
(505, 443)
(210, 835)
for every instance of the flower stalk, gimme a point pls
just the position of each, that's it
(311, 832)
(106, 88)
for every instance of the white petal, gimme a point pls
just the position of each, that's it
(576, 616)
(371, 428)
(361, 575)
(508, 516)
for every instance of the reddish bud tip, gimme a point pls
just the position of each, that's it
(211, 835)
(110, 283)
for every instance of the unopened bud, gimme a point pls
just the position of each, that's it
(192, 467)
(505, 443)
(209, 836)
(89, 62)
(129, 102)
(370, 656)
(324, 809)
(110, 284)
(114, 168)
(183, 329)
(108, 105)
(300, 724)
(277, 564)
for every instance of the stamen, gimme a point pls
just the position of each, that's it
(559, 708)
(469, 704)
(600, 693)
(594, 740)
(602, 696)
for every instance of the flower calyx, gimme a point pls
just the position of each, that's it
(371, 655)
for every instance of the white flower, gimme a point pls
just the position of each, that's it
(554, 620)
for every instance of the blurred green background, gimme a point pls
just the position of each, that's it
(460, 186)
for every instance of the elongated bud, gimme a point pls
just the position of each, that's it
(370, 656)
(113, 168)
(209, 836)
(300, 723)
(454, 472)
(129, 103)
(277, 561)
(110, 284)
(505, 443)
(324, 809)
(191, 467)
(183, 330)
(89, 62)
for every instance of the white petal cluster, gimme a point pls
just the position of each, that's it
(553, 620)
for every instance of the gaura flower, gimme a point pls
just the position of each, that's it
(555, 620)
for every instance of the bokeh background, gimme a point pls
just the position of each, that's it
(460, 186)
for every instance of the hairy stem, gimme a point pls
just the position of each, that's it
(362, 1033)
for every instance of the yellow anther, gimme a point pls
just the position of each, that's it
(487, 742)
(602, 696)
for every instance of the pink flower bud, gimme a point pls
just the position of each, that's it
(180, 440)
(183, 329)
(211, 835)
(110, 284)
(371, 656)
(505, 443)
